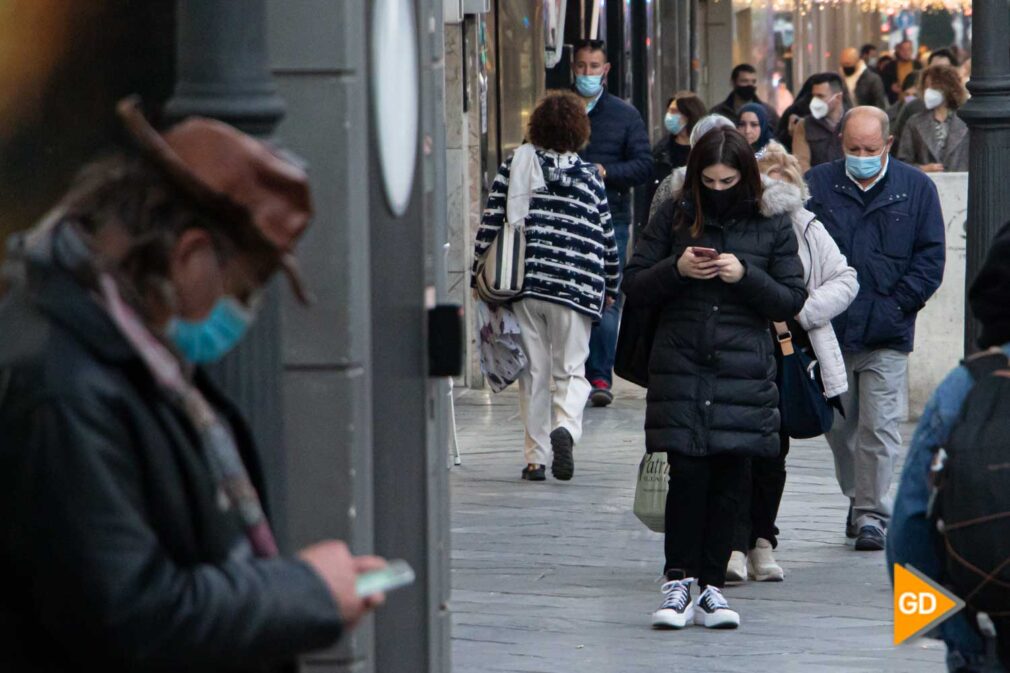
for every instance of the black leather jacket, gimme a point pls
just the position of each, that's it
(114, 552)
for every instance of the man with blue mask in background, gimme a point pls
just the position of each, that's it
(885, 216)
(135, 536)
(619, 147)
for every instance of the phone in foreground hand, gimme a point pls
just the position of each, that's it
(396, 575)
(710, 253)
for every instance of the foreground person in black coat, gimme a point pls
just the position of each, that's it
(133, 537)
(717, 272)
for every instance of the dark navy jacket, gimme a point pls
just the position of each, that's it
(896, 243)
(621, 143)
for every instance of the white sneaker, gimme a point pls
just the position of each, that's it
(736, 569)
(676, 611)
(761, 565)
(712, 611)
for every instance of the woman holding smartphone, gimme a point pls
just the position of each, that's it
(717, 271)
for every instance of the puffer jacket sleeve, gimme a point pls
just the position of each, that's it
(838, 284)
(651, 276)
(778, 293)
(102, 584)
(635, 166)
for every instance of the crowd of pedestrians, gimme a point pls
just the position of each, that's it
(822, 223)
(819, 233)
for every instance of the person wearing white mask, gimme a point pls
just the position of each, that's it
(936, 139)
(682, 113)
(815, 138)
(886, 218)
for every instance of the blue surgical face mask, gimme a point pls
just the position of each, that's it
(588, 85)
(674, 123)
(864, 168)
(210, 339)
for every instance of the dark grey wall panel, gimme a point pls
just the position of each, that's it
(321, 409)
(315, 34)
(324, 125)
(317, 55)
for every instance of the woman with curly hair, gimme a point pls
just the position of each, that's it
(571, 273)
(937, 139)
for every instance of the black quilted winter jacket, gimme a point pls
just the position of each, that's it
(712, 367)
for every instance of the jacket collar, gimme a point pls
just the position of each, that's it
(956, 131)
(894, 191)
(730, 99)
(601, 102)
(48, 264)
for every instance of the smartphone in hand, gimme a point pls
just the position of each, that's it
(396, 575)
(710, 253)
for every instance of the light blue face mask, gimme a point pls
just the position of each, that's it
(588, 85)
(674, 123)
(210, 339)
(864, 168)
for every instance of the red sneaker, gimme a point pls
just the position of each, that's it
(601, 395)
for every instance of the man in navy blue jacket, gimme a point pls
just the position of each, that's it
(620, 148)
(885, 216)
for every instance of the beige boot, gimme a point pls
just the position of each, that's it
(736, 569)
(761, 565)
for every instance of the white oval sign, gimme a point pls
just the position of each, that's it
(395, 97)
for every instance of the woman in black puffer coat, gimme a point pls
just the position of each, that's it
(717, 271)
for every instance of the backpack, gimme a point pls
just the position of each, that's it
(970, 502)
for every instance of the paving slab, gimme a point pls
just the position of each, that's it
(560, 577)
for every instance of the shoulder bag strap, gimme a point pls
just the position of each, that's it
(785, 338)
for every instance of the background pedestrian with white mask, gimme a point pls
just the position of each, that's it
(937, 138)
(815, 138)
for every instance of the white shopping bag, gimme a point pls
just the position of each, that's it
(650, 493)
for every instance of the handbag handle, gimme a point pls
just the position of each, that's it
(785, 338)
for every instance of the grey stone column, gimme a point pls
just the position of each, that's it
(222, 65)
(987, 113)
(222, 72)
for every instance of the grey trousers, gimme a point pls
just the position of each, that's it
(866, 442)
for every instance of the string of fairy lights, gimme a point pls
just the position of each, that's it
(882, 6)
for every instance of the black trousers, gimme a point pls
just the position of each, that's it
(701, 511)
(764, 483)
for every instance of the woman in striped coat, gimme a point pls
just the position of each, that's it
(571, 273)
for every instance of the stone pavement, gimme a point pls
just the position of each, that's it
(559, 577)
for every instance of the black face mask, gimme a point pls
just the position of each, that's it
(849, 70)
(745, 92)
(721, 203)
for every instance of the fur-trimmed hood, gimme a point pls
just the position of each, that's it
(779, 197)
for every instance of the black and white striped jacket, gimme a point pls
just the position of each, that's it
(571, 254)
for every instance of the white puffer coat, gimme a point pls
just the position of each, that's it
(831, 282)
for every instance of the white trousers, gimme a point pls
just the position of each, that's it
(556, 341)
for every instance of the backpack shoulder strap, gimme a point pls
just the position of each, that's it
(983, 364)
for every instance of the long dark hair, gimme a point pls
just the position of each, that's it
(719, 146)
